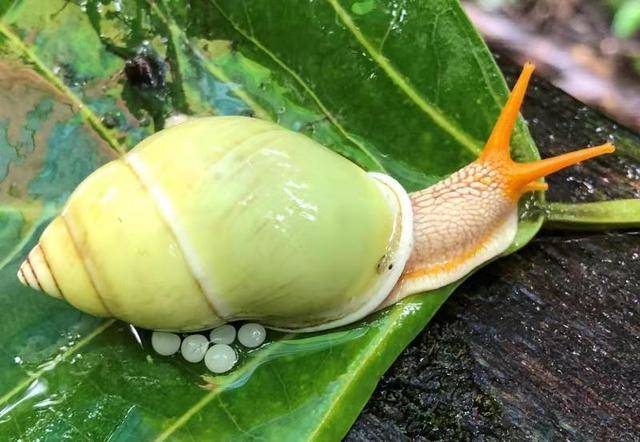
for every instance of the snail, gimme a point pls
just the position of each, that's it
(226, 218)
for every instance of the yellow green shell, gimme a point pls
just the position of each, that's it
(227, 218)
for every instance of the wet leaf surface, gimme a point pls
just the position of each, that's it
(88, 81)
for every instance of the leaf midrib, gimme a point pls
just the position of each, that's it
(404, 85)
(251, 365)
(96, 124)
(323, 108)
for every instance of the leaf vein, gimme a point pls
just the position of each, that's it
(356, 368)
(332, 118)
(86, 112)
(232, 378)
(81, 343)
(175, 30)
(401, 82)
(46, 214)
(233, 419)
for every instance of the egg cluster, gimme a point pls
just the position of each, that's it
(219, 357)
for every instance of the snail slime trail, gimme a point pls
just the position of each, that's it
(241, 209)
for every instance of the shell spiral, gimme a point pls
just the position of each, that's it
(226, 218)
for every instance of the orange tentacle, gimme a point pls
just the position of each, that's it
(518, 178)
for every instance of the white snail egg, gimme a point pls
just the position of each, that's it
(251, 335)
(194, 347)
(220, 358)
(225, 334)
(165, 344)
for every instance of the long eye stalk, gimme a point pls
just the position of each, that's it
(521, 177)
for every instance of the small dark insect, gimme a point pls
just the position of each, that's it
(145, 72)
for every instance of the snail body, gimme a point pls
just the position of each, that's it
(226, 218)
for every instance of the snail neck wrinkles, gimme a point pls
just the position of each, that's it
(458, 224)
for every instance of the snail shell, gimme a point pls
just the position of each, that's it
(227, 218)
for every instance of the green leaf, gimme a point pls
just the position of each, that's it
(403, 87)
(615, 214)
(626, 20)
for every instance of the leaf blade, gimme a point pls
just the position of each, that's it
(379, 127)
